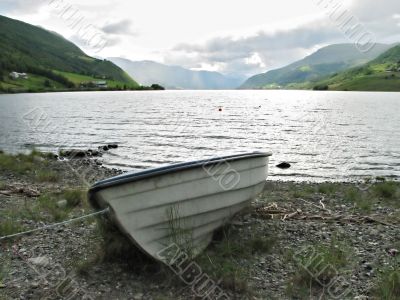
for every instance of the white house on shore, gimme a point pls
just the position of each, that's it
(16, 75)
(100, 83)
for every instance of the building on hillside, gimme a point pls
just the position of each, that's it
(16, 75)
(100, 83)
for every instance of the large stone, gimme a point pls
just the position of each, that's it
(40, 261)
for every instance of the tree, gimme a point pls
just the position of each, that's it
(156, 86)
(47, 83)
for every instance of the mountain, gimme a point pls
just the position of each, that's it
(48, 57)
(175, 77)
(380, 74)
(324, 62)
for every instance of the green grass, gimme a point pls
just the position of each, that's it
(9, 226)
(300, 192)
(75, 197)
(35, 164)
(386, 190)
(32, 83)
(48, 205)
(327, 188)
(374, 82)
(361, 200)
(115, 246)
(17, 163)
(223, 260)
(388, 283)
(47, 176)
(78, 78)
(4, 269)
(317, 267)
(260, 244)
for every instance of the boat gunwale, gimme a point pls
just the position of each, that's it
(136, 176)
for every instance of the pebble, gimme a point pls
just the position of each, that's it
(62, 203)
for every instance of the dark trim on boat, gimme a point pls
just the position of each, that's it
(135, 176)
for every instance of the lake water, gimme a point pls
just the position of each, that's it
(324, 135)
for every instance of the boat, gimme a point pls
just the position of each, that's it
(181, 204)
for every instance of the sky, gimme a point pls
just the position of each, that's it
(236, 38)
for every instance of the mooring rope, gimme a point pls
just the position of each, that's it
(106, 210)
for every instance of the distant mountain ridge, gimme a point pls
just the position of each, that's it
(175, 77)
(49, 56)
(324, 62)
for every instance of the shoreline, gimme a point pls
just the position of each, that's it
(354, 227)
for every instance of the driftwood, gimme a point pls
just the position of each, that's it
(19, 189)
(274, 212)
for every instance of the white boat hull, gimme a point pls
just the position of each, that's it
(182, 204)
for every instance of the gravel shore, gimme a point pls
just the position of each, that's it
(351, 228)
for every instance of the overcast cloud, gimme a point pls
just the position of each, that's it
(233, 38)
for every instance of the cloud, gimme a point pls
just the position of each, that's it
(258, 52)
(20, 7)
(380, 20)
(265, 50)
(120, 27)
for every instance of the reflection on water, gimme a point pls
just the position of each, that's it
(324, 135)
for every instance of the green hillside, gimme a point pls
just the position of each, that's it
(50, 60)
(324, 62)
(380, 74)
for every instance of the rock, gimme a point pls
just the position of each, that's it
(62, 203)
(40, 261)
(38, 159)
(105, 148)
(283, 165)
(393, 252)
(94, 152)
(73, 153)
(112, 146)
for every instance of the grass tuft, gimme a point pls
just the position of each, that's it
(388, 286)
(223, 261)
(327, 188)
(387, 190)
(362, 201)
(48, 204)
(317, 267)
(24, 163)
(8, 226)
(83, 267)
(75, 197)
(115, 246)
(47, 176)
(260, 244)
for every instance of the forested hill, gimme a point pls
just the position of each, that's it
(48, 57)
(380, 74)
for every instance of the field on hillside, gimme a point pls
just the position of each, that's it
(77, 79)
